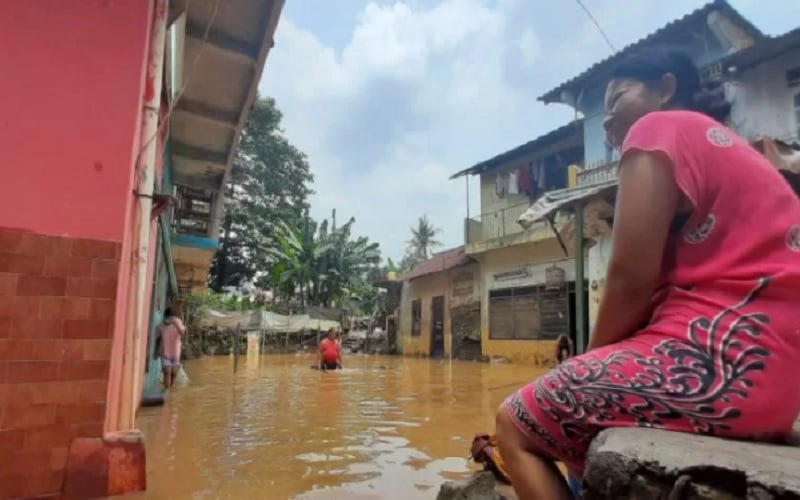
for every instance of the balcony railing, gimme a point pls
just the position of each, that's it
(599, 172)
(497, 224)
(193, 211)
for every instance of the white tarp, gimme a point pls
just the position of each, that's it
(270, 321)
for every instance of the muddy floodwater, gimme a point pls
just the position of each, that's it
(384, 427)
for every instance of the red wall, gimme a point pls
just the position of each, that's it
(70, 92)
(57, 302)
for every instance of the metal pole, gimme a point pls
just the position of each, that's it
(466, 178)
(131, 377)
(236, 348)
(582, 339)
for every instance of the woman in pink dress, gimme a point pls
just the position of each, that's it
(698, 330)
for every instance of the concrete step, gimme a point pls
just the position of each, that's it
(637, 463)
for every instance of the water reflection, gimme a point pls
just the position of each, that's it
(384, 427)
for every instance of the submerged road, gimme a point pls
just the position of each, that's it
(384, 427)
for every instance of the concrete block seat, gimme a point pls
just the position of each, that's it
(636, 463)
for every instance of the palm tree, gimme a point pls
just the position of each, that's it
(297, 252)
(423, 239)
(320, 263)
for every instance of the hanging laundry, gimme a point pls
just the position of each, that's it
(513, 183)
(524, 180)
(541, 182)
(501, 185)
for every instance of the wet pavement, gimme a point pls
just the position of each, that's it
(384, 427)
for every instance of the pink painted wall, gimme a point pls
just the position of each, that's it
(71, 95)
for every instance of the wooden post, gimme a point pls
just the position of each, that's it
(236, 348)
(263, 342)
(582, 338)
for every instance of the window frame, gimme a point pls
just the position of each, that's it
(542, 295)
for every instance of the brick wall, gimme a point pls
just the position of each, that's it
(56, 321)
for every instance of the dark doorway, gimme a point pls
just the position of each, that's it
(437, 327)
(573, 321)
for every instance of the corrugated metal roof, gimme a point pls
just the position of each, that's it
(530, 147)
(224, 50)
(764, 50)
(593, 71)
(562, 198)
(441, 261)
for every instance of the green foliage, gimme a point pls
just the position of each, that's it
(267, 235)
(321, 263)
(423, 241)
(269, 182)
(419, 247)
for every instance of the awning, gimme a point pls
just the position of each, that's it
(273, 322)
(560, 199)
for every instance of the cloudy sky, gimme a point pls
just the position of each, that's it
(389, 98)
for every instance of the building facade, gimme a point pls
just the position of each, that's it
(521, 312)
(761, 77)
(717, 30)
(763, 87)
(109, 124)
(440, 308)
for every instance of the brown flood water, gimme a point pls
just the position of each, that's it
(384, 427)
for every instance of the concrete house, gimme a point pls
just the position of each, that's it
(525, 276)
(708, 34)
(763, 87)
(761, 78)
(440, 308)
(147, 106)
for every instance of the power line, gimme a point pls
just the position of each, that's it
(597, 25)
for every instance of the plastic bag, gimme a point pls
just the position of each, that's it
(181, 379)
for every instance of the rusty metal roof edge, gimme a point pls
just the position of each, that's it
(765, 49)
(418, 273)
(542, 141)
(553, 201)
(554, 95)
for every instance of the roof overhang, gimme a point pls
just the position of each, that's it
(765, 50)
(225, 46)
(560, 139)
(568, 91)
(563, 199)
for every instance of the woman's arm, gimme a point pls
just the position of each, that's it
(647, 200)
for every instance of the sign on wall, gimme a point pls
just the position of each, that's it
(530, 274)
(463, 284)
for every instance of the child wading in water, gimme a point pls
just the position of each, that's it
(169, 335)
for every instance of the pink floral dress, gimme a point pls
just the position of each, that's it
(721, 353)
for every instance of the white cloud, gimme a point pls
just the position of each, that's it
(441, 69)
(425, 89)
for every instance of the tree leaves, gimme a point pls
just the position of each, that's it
(269, 183)
(423, 239)
(325, 260)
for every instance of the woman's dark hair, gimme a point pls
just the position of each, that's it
(650, 66)
(168, 312)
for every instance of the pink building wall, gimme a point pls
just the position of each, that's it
(71, 94)
(71, 88)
